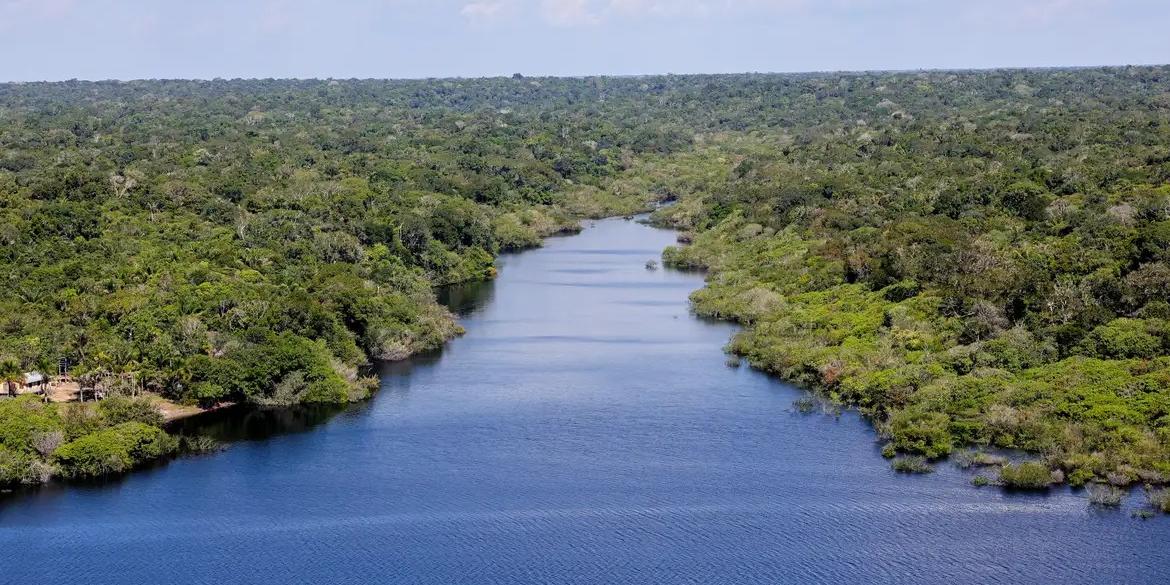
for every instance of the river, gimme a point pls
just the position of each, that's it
(585, 430)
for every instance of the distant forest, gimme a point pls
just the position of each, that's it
(975, 258)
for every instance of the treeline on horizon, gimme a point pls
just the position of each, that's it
(972, 257)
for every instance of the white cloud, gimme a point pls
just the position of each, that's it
(20, 13)
(659, 7)
(1026, 13)
(275, 16)
(486, 10)
(569, 12)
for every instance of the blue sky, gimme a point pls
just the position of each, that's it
(129, 39)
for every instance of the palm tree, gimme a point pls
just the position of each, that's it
(10, 375)
(45, 366)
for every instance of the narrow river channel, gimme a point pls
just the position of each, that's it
(585, 430)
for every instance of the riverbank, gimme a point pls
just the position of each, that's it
(68, 391)
(906, 361)
(584, 429)
(30, 458)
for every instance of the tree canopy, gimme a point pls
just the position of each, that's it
(972, 257)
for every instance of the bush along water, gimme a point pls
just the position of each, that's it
(39, 441)
(966, 276)
(260, 241)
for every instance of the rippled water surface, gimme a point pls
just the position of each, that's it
(585, 430)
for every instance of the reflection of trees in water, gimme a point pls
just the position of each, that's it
(405, 367)
(250, 424)
(466, 297)
(233, 424)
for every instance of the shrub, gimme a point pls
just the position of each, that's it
(79, 419)
(114, 450)
(1105, 495)
(1016, 349)
(911, 465)
(196, 444)
(925, 433)
(119, 409)
(969, 458)
(987, 459)
(45, 442)
(805, 405)
(23, 419)
(1159, 499)
(963, 459)
(1123, 339)
(980, 481)
(900, 291)
(1029, 475)
(1080, 476)
(1056, 476)
(14, 466)
(208, 393)
(1143, 514)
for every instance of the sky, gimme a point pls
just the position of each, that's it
(136, 39)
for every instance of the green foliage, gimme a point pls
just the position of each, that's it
(1028, 475)
(40, 440)
(17, 467)
(911, 465)
(1026, 199)
(1080, 476)
(198, 444)
(952, 261)
(116, 410)
(259, 241)
(1159, 499)
(925, 433)
(967, 263)
(10, 375)
(303, 371)
(1127, 338)
(23, 419)
(114, 450)
(1105, 495)
(152, 226)
(1015, 349)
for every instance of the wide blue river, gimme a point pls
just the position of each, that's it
(585, 430)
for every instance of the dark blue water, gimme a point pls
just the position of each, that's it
(585, 430)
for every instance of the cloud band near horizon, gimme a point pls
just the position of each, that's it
(97, 39)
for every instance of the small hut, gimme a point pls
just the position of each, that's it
(35, 382)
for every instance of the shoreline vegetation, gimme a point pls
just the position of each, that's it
(973, 259)
(130, 427)
(257, 242)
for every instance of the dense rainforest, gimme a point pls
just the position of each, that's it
(258, 241)
(973, 258)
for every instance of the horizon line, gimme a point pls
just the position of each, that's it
(604, 75)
